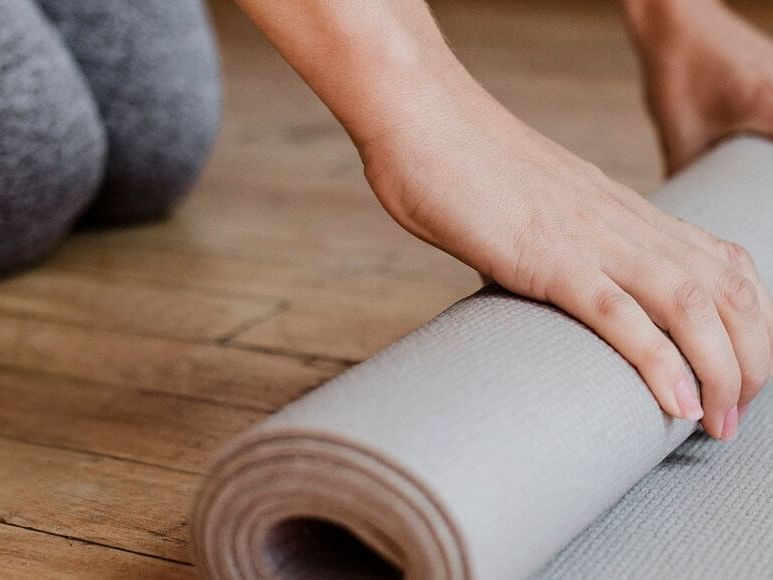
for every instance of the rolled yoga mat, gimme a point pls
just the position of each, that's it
(490, 439)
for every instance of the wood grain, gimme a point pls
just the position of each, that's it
(207, 372)
(133, 424)
(131, 354)
(101, 302)
(117, 503)
(30, 555)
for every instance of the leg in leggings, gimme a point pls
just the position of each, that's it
(52, 143)
(153, 69)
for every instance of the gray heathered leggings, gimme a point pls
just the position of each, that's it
(107, 112)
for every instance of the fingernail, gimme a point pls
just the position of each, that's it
(730, 424)
(687, 401)
(742, 411)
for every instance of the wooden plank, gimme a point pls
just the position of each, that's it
(259, 245)
(348, 314)
(349, 327)
(200, 371)
(126, 423)
(97, 300)
(111, 502)
(133, 345)
(30, 555)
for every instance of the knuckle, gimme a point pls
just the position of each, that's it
(659, 352)
(595, 173)
(738, 292)
(610, 303)
(691, 301)
(736, 254)
(756, 374)
(733, 382)
(756, 381)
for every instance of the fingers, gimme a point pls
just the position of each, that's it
(682, 305)
(715, 318)
(738, 305)
(740, 258)
(613, 314)
(750, 328)
(746, 306)
(731, 253)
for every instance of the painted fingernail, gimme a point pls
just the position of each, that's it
(730, 424)
(687, 401)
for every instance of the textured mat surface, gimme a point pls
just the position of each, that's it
(488, 440)
(706, 512)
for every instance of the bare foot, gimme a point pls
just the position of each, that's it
(709, 74)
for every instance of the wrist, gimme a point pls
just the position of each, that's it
(399, 88)
(374, 64)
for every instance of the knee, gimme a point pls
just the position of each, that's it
(159, 142)
(159, 98)
(157, 153)
(52, 143)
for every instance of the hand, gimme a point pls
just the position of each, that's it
(455, 168)
(472, 180)
(708, 74)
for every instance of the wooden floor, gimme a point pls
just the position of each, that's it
(131, 355)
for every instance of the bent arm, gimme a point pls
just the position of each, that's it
(455, 168)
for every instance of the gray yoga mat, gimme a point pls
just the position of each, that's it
(488, 440)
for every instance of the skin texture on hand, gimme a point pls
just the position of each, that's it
(547, 225)
(708, 74)
(456, 169)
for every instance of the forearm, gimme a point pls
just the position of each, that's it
(375, 64)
